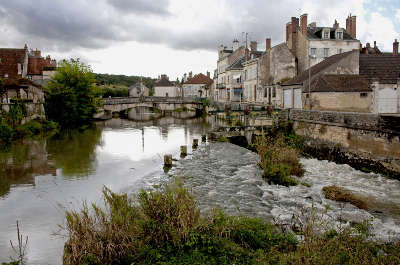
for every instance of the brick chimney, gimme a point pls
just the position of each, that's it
(295, 26)
(208, 74)
(351, 26)
(336, 25)
(267, 44)
(395, 47)
(253, 46)
(303, 24)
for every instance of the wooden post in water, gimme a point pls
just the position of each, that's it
(167, 160)
(183, 151)
(195, 143)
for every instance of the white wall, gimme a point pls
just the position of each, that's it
(161, 91)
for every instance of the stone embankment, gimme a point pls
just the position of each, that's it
(364, 141)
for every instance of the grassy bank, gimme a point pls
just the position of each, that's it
(279, 153)
(165, 226)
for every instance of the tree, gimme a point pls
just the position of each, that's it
(2, 90)
(72, 97)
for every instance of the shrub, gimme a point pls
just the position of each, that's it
(6, 133)
(165, 227)
(278, 161)
(336, 193)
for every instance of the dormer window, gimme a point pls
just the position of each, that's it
(326, 34)
(339, 34)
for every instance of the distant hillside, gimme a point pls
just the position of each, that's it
(123, 80)
(117, 85)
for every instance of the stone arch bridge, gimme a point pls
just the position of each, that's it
(164, 104)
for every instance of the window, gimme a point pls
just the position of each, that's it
(339, 35)
(313, 51)
(326, 34)
(326, 52)
(274, 92)
(363, 95)
(265, 92)
(6, 75)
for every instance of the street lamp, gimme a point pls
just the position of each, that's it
(312, 56)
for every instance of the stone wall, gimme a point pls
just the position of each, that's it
(34, 110)
(364, 141)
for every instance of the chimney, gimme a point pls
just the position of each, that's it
(336, 25)
(208, 74)
(368, 45)
(313, 25)
(190, 74)
(288, 31)
(295, 26)
(235, 45)
(374, 44)
(26, 47)
(351, 26)
(253, 46)
(267, 44)
(303, 24)
(395, 47)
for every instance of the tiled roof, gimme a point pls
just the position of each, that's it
(339, 83)
(383, 67)
(9, 60)
(17, 82)
(316, 33)
(163, 82)
(199, 79)
(316, 69)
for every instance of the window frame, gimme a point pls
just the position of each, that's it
(326, 52)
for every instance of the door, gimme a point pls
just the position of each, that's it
(297, 98)
(287, 98)
(387, 100)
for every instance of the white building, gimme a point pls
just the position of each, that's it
(165, 88)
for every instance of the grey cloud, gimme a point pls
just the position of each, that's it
(141, 7)
(64, 25)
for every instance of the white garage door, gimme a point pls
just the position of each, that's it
(297, 98)
(287, 98)
(387, 100)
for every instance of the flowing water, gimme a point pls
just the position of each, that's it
(41, 178)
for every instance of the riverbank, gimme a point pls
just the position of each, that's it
(164, 226)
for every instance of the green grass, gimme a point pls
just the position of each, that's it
(165, 226)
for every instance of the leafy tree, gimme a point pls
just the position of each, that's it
(72, 96)
(2, 89)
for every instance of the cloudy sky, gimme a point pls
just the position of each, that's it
(150, 37)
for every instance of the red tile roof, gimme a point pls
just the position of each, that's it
(9, 60)
(199, 79)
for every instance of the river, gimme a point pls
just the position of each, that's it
(41, 178)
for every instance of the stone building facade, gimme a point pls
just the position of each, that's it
(198, 86)
(311, 44)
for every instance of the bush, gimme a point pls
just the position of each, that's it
(336, 193)
(278, 161)
(6, 133)
(165, 227)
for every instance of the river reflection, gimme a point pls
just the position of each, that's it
(39, 179)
